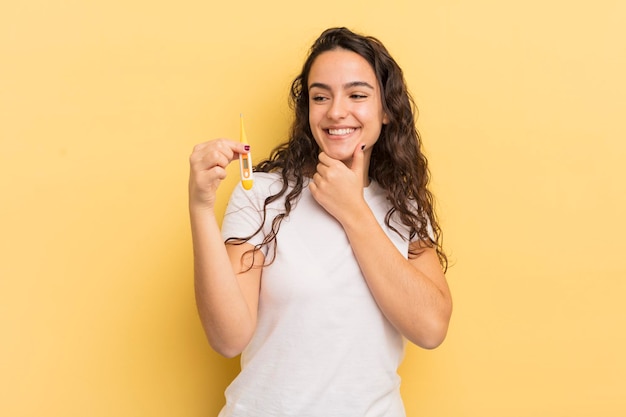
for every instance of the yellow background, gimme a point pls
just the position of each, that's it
(522, 110)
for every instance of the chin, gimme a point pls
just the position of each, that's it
(339, 152)
(341, 156)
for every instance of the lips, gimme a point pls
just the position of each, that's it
(341, 132)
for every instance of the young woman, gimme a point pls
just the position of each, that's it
(333, 259)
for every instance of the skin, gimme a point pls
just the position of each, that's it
(226, 298)
(346, 116)
(345, 107)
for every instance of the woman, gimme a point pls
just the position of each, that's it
(333, 259)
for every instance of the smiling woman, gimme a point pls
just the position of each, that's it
(346, 110)
(333, 258)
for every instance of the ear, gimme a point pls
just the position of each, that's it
(385, 119)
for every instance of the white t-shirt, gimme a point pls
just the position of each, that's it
(322, 347)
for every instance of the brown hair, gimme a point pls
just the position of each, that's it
(397, 162)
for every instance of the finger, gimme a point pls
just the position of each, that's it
(231, 148)
(219, 152)
(358, 159)
(216, 158)
(218, 172)
(321, 169)
(315, 185)
(325, 159)
(228, 147)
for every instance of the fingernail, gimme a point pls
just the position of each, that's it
(247, 147)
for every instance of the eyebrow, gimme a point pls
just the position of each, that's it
(345, 86)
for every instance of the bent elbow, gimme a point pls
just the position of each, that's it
(228, 340)
(229, 354)
(226, 350)
(434, 334)
(433, 341)
(228, 345)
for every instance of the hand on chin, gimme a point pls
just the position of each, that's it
(342, 154)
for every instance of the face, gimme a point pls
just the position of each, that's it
(345, 105)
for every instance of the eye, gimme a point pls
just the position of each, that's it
(358, 96)
(318, 98)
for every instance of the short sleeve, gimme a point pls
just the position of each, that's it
(395, 221)
(429, 229)
(244, 212)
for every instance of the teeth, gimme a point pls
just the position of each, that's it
(340, 131)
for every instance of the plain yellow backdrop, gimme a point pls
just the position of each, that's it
(522, 110)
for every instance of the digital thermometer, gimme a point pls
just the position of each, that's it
(245, 160)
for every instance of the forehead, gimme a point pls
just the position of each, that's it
(340, 66)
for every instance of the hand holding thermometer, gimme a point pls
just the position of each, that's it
(245, 160)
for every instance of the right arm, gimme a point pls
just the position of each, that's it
(227, 298)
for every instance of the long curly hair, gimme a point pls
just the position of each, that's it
(397, 162)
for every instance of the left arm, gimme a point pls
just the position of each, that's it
(412, 293)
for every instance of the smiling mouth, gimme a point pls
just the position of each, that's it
(340, 132)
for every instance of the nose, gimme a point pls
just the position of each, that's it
(337, 109)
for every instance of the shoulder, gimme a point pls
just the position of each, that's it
(267, 178)
(376, 196)
(266, 184)
(379, 201)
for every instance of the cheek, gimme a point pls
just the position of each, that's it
(314, 126)
(315, 118)
(370, 115)
(315, 115)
